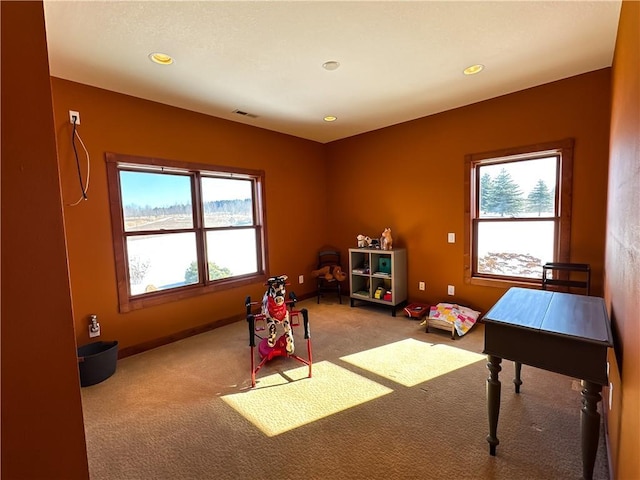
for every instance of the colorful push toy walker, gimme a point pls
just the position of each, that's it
(274, 310)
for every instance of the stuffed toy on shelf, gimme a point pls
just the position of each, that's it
(386, 242)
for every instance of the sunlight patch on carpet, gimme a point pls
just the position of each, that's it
(280, 403)
(411, 362)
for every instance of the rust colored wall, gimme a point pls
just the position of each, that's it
(622, 259)
(42, 425)
(295, 193)
(410, 177)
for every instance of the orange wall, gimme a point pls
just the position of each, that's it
(42, 425)
(622, 264)
(410, 177)
(110, 122)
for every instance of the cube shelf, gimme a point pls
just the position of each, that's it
(378, 276)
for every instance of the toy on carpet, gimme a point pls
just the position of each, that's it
(276, 310)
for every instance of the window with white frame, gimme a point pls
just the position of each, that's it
(517, 211)
(182, 229)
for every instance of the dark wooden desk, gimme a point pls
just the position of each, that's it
(559, 332)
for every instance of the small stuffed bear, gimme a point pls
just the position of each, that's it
(386, 242)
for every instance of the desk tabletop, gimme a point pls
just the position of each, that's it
(558, 313)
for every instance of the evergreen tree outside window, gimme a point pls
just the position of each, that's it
(486, 190)
(518, 212)
(183, 229)
(541, 199)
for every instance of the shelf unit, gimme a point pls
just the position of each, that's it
(370, 269)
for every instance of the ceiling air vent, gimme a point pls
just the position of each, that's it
(245, 114)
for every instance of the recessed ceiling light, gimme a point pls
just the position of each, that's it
(161, 58)
(331, 65)
(330, 118)
(473, 69)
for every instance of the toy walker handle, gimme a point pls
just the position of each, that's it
(292, 299)
(305, 321)
(247, 304)
(252, 322)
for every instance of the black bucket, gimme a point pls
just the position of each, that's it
(97, 362)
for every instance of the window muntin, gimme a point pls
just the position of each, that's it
(155, 201)
(521, 188)
(518, 209)
(231, 252)
(160, 262)
(183, 229)
(227, 202)
(518, 250)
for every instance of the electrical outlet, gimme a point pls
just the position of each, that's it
(451, 290)
(94, 326)
(73, 113)
(301, 279)
(94, 331)
(421, 285)
(451, 237)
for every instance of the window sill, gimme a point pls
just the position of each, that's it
(500, 283)
(153, 299)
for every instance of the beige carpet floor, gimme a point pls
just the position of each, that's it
(386, 401)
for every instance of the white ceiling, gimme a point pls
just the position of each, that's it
(398, 60)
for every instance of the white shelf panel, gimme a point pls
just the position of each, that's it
(390, 273)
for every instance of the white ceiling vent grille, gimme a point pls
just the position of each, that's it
(245, 114)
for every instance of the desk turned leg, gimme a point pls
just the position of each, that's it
(517, 382)
(493, 401)
(590, 426)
